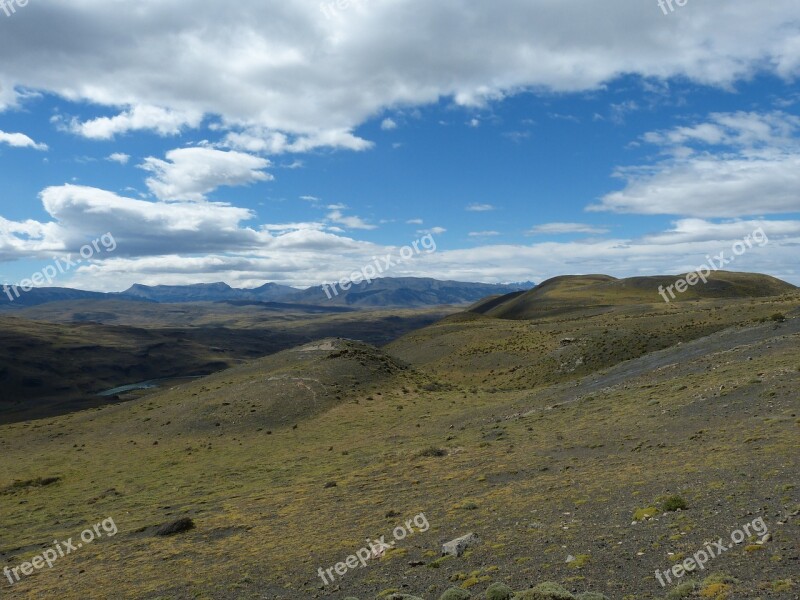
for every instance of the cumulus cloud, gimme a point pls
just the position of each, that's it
(263, 141)
(283, 67)
(432, 231)
(349, 222)
(276, 77)
(189, 242)
(162, 121)
(732, 165)
(701, 230)
(142, 227)
(20, 140)
(192, 173)
(26, 239)
(146, 229)
(119, 157)
(749, 130)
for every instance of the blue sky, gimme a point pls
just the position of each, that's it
(289, 145)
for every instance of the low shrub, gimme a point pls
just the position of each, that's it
(674, 503)
(455, 594)
(499, 591)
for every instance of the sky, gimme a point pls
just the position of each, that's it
(294, 141)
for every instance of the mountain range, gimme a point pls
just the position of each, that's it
(404, 292)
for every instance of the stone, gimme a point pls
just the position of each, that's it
(457, 546)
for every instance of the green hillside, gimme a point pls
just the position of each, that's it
(569, 293)
(566, 443)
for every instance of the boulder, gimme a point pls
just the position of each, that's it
(457, 546)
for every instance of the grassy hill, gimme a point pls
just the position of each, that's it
(565, 443)
(566, 294)
(276, 391)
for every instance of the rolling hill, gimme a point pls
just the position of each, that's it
(565, 294)
(587, 449)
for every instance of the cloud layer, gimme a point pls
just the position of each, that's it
(274, 77)
(283, 66)
(189, 242)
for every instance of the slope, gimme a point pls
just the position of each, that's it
(538, 474)
(568, 294)
(575, 330)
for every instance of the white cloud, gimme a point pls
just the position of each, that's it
(733, 165)
(432, 231)
(142, 227)
(193, 242)
(483, 234)
(388, 124)
(282, 66)
(192, 173)
(687, 231)
(330, 138)
(710, 186)
(475, 207)
(264, 141)
(145, 229)
(414, 222)
(349, 222)
(563, 228)
(119, 157)
(20, 140)
(739, 130)
(163, 121)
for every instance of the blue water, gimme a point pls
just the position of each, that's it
(145, 385)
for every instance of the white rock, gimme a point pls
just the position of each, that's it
(457, 546)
